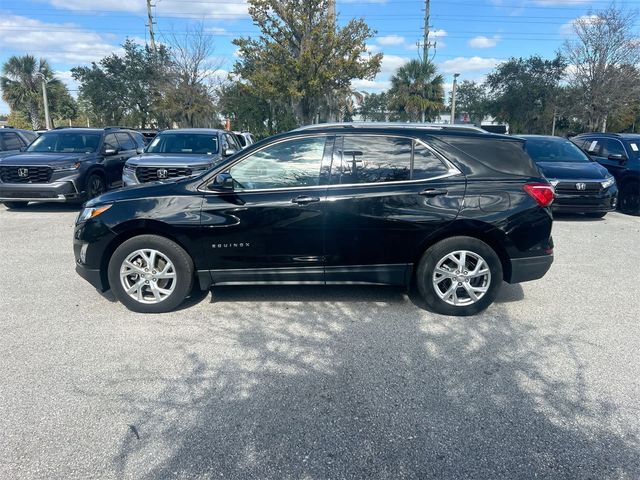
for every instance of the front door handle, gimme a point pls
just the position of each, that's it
(433, 192)
(305, 200)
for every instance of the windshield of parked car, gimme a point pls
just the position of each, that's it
(554, 150)
(65, 142)
(200, 143)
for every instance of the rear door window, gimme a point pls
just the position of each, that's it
(125, 141)
(12, 141)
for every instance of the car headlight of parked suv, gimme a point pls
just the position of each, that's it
(66, 167)
(91, 212)
(129, 168)
(608, 181)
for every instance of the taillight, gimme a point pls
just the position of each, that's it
(542, 193)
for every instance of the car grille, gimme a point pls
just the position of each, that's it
(150, 174)
(17, 174)
(570, 188)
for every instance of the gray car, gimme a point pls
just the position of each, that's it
(179, 153)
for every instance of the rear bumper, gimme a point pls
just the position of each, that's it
(531, 268)
(39, 192)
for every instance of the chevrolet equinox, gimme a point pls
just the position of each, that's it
(455, 211)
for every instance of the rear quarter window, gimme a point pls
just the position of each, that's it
(502, 155)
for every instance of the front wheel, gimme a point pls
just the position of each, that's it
(630, 199)
(150, 274)
(95, 186)
(459, 276)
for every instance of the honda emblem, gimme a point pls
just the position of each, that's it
(162, 173)
(23, 172)
(581, 186)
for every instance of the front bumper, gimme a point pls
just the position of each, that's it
(39, 192)
(530, 268)
(603, 202)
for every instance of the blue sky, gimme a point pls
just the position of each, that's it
(472, 36)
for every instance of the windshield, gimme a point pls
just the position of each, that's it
(554, 150)
(184, 143)
(65, 142)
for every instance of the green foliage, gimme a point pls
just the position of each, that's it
(524, 92)
(124, 89)
(249, 112)
(19, 119)
(374, 107)
(300, 57)
(471, 98)
(417, 92)
(21, 84)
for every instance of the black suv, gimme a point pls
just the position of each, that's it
(14, 139)
(67, 164)
(620, 154)
(454, 210)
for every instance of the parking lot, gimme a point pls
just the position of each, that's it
(312, 382)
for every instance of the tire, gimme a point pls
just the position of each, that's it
(15, 205)
(94, 186)
(596, 214)
(484, 286)
(629, 199)
(170, 291)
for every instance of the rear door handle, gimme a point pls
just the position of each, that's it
(304, 200)
(433, 192)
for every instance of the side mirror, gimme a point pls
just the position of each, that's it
(229, 151)
(222, 181)
(139, 150)
(23, 148)
(617, 156)
(110, 151)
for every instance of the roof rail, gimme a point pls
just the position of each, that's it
(426, 126)
(606, 134)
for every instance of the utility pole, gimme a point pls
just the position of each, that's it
(453, 98)
(425, 40)
(553, 125)
(47, 119)
(150, 25)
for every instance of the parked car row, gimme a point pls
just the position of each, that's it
(77, 164)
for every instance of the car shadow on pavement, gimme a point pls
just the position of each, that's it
(47, 208)
(367, 390)
(576, 217)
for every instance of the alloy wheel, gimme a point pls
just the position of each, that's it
(461, 278)
(148, 276)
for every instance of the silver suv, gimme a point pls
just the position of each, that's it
(179, 153)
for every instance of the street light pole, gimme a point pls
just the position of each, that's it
(453, 98)
(47, 120)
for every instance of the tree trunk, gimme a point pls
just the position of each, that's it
(34, 116)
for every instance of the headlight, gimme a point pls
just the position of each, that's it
(607, 182)
(554, 183)
(91, 212)
(129, 168)
(66, 167)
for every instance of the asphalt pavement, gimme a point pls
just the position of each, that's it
(320, 382)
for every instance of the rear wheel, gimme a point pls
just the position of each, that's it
(15, 205)
(150, 274)
(630, 199)
(459, 276)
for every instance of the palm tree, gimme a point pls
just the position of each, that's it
(417, 91)
(21, 85)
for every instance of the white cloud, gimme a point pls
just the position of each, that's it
(391, 63)
(371, 48)
(370, 85)
(58, 42)
(166, 8)
(468, 64)
(568, 28)
(484, 42)
(390, 40)
(438, 33)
